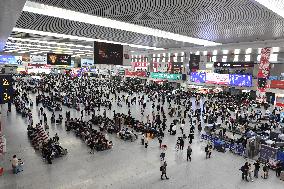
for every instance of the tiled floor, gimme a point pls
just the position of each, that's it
(127, 165)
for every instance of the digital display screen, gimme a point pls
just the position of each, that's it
(261, 83)
(58, 59)
(6, 89)
(86, 62)
(198, 77)
(214, 78)
(9, 59)
(240, 80)
(108, 53)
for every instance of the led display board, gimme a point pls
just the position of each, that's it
(240, 80)
(198, 77)
(58, 59)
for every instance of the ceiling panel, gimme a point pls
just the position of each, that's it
(57, 25)
(223, 21)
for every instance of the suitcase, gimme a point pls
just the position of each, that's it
(282, 175)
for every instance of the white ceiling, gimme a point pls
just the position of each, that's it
(229, 22)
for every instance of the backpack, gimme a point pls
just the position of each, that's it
(206, 149)
(161, 168)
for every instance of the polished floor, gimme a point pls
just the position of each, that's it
(127, 166)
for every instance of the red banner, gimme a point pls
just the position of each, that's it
(137, 73)
(143, 64)
(263, 74)
(277, 84)
(140, 64)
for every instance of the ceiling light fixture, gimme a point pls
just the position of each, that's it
(42, 9)
(81, 38)
(47, 42)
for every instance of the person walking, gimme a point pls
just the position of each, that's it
(188, 152)
(256, 168)
(163, 169)
(265, 171)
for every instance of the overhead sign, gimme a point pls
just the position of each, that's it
(168, 76)
(6, 89)
(233, 64)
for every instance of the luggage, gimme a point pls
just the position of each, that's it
(1, 171)
(282, 175)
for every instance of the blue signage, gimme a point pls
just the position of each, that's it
(9, 59)
(240, 80)
(198, 77)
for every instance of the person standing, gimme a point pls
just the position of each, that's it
(244, 170)
(143, 139)
(163, 169)
(188, 152)
(250, 172)
(278, 169)
(265, 171)
(16, 165)
(256, 168)
(160, 141)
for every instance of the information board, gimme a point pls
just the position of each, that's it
(6, 89)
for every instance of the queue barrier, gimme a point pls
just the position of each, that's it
(238, 149)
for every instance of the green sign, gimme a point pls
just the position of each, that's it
(121, 72)
(168, 76)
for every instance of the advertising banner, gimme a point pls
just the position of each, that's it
(277, 84)
(38, 60)
(136, 73)
(214, 78)
(194, 62)
(263, 74)
(9, 59)
(58, 59)
(168, 76)
(279, 101)
(108, 53)
(198, 77)
(241, 80)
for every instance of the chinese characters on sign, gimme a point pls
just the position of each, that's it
(6, 89)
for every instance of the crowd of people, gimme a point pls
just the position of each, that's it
(159, 110)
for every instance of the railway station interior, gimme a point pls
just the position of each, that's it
(148, 94)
